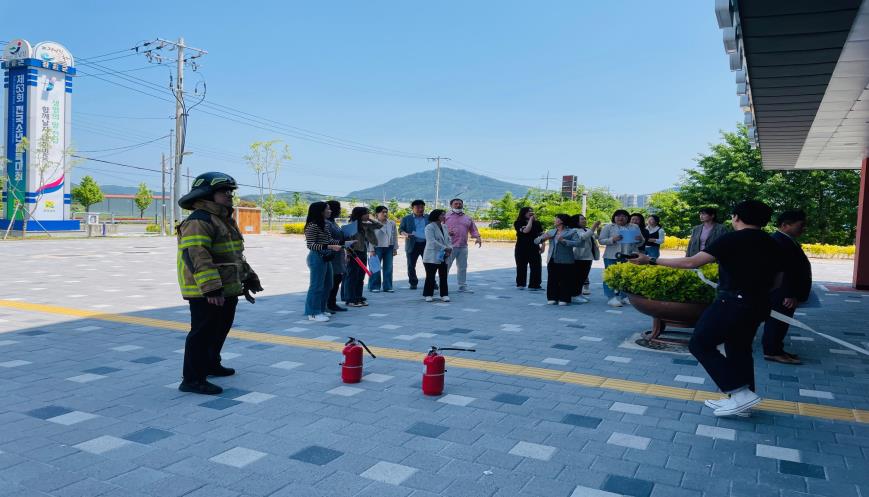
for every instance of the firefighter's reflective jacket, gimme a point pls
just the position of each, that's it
(211, 254)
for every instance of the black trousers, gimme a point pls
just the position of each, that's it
(774, 331)
(430, 271)
(412, 256)
(524, 258)
(209, 325)
(355, 278)
(581, 270)
(733, 322)
(333, 293)
(559, 281)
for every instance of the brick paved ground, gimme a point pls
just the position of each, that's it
(89, 406)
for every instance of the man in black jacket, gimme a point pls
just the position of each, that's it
(795, 288)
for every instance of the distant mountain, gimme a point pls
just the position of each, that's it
(454, 183)
(307, 197)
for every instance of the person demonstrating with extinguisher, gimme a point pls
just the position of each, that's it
(212, 273)
(361, 229)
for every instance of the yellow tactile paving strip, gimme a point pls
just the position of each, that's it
(586, 380)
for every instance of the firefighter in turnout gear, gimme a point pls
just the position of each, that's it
(212, 273)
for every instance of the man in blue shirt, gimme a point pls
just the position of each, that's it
(412, 227)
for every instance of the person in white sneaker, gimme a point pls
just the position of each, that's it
(585, 254)
(460, 225)
(749, 267)
(612, 238)
(322, 248)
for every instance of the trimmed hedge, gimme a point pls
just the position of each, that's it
(662, 283)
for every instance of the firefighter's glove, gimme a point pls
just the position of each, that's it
(253, 285)
(249, 297)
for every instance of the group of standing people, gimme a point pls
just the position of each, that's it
(339, 255)
(758, 272)
(573, 247)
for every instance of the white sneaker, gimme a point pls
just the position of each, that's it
(320, 318)
(445, 299)
(739, 401)
(582, 300)
(715, 404)
(551, 302)
(626, 301)
(615, 302)
(586, 290)
(562, 303)
(429, 299)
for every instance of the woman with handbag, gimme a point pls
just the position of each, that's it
(322, 248)
(437, 249)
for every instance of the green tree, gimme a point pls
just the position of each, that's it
(87, 193)
(674, 211)
(733, 172)
(297, 206)
(143, 199)
(266, 159)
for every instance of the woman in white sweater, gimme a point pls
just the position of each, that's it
(437, 249)
(611, 237)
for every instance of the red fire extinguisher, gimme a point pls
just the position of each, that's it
(351, 368)
(435, 367)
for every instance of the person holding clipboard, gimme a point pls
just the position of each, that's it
(618, 237)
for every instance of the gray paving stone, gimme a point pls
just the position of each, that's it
(238, 457)
(101, 445)
(780, 453)
(716, 432)
(72, 418)
(581, 491)
(387, 472)
(630, 441)
(533, 450)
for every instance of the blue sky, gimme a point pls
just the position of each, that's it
(624, 94)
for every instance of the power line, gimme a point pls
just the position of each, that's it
(140, 168)
(109, 116)
(245, 118)
(127, 147)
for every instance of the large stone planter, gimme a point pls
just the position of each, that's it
(663, 313)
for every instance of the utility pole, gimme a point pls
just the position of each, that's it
(171, 184)
(547, 182)
(180, 115)
(153, 52)
(163, 197)
(584, 202)
(437, 177)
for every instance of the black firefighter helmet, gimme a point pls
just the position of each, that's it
(204, 187)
